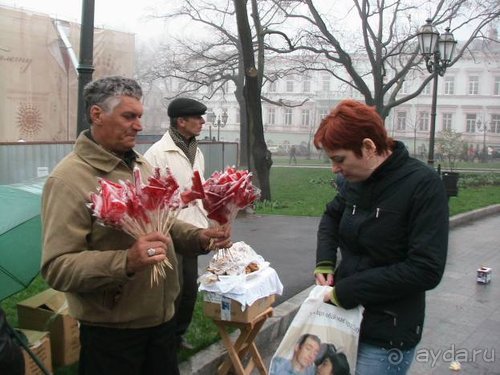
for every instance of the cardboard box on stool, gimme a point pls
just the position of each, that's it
(219, 307)
(48, 311)
(39, 344)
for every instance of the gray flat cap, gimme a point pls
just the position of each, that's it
(185, 107)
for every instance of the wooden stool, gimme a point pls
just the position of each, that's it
(243, 344)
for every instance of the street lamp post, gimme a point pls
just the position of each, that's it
(220, 124)
(211, 121)
(437, 51)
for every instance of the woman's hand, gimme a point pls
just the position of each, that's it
(325, 279)
(327, 297)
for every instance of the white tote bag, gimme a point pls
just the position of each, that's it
(319, 330)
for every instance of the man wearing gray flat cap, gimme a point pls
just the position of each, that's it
(178, 150)
(185, 107)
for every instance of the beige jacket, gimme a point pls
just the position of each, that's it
(87, 260)
(165, 153)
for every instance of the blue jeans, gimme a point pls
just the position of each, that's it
(374, 360)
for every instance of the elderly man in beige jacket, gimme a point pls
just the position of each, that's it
(126, 324)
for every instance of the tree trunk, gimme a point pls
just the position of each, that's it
(252, 94)
(244, 151)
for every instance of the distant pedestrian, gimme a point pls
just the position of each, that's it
(293, 152)
(470, 153)
(489, 153)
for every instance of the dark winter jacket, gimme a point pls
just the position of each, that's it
(392, 231)
(11, 357)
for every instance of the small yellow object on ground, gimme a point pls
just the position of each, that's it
(455, 366)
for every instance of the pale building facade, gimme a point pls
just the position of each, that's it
(38, 76)
(468, 102)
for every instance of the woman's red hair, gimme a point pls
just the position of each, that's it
(348, 124)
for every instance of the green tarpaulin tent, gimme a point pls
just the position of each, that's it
(20, 235)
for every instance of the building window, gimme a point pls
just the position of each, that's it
(288, 117)
(271, 116)
(289, 84)
(447, 121)
(423, 121)
(495, 124)
(470, 123)
(427, 89)
(306, 118)
(496, 87)
(272, 86)
(473, 85)
(449, 85)
(306, 84)
(326, 83)
(401, 121)
(323, 112)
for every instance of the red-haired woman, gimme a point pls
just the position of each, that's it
(390, 222)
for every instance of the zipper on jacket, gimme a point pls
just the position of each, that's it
(394, 317)
(376, 214)
(353, 209)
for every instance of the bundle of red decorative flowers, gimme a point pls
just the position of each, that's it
(228, 192)
(225, 193)
(138, 208)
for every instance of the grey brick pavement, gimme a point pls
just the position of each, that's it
(462, 319)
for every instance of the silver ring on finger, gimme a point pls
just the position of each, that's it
(151, 252)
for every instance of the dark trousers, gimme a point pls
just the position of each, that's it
(143, 351)
(187, 297)
(11, 356)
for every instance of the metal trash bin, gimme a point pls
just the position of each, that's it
(450, 181)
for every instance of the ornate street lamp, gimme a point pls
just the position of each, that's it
(211, 121)
(437, 51)
(221, 124)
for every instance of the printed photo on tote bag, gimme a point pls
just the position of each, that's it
(322, 339)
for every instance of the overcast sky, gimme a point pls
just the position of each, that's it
(129, 16)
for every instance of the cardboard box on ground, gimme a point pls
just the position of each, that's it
(217, 306)
(39, 344)
(48, 311)
(484, 275)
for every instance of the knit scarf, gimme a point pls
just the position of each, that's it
(188, 146)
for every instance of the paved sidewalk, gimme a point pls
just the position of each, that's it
(462, 320)
(463, 317)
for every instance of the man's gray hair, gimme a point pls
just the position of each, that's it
(104, 92)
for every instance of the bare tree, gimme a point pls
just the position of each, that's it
(375, 57)
(203, 66)
(451, 146)
(252, 91)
